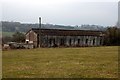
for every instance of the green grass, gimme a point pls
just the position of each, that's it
(7, 34)
(89, 62)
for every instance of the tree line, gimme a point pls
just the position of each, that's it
(112, 36)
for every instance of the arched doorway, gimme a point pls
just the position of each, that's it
(62, 42)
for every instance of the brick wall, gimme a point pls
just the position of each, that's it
(31, 37)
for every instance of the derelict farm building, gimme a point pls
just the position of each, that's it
(64, 38)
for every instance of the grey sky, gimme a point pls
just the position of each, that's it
(65, 12)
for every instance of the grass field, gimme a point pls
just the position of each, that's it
(7, 34)
(89, 62)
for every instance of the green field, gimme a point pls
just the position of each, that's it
(89, 62)
(7, 34)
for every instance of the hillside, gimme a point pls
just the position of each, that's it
(22, 27)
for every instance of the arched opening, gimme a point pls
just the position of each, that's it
(86, 41)
(94, 41)
(70, 41)
(100, 41)
(62, 41)
(54, 41)
(78, 41)
(50, 42)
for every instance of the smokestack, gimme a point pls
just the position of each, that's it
(39, 31)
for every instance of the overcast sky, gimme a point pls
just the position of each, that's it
(64, 12)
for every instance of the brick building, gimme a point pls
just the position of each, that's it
(64, 38)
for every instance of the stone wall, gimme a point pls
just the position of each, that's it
(73, 41)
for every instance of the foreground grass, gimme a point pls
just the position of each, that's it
(89, 62)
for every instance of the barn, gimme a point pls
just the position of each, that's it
(64, 38)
